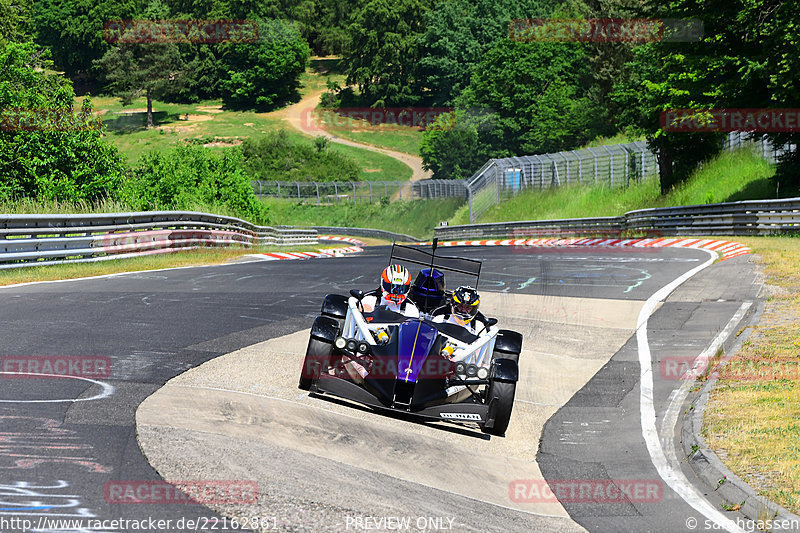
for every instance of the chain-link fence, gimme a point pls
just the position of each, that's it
(328, 192)
(613, 165)
(740, 139)
(439, 189)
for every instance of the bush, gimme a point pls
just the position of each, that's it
(48, 151)
(275, 157)
(191, 177)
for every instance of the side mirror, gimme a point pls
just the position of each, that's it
(357, 294)
(490, 322)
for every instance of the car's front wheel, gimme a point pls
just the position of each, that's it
(502, 394)
(316, 360)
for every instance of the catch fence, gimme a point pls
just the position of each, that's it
(328, 192)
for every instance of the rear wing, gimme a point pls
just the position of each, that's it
(470, 267)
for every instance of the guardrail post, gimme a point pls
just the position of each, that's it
(354, 192)
(298, 191)
(385, 189)
(316, 184)
(335, 193)
(370, 192)
(279, 188)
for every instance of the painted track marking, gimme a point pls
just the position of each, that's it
(674, 477)
(107, 391)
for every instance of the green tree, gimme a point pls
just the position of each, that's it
(383, 58)
(452, 147)
(537, 92)
(151, 69)
(73, 31)
(457, 34)
(15, 20)
(47, 151)
(266, 73)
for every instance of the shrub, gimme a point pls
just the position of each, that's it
(275, 157)
(190, 176)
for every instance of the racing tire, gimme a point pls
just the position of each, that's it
(317, 356)
(504, 392)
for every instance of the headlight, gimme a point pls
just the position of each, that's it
(483, 372)
(363, 347)
(340, 343)
(352, 345)
(472, 371)
(461, 368)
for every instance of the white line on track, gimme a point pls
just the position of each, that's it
(107, 391)
(673, 476)
(677, 396)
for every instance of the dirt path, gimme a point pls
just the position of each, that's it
(300, 116)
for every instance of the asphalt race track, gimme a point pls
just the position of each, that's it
(62, 441)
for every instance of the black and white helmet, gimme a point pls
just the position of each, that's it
(464, 303)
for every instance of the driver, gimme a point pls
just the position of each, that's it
(393, 292)
(462, 309)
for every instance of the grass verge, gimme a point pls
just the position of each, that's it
(395, 137)
(198, 257)
(753, 416)
(416, 217)
(730, 177)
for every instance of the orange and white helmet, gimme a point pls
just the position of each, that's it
(395, 283)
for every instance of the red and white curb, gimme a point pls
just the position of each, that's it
(726, 249)
(342, 239)
(279, 256)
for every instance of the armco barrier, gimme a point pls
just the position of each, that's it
(48, 239)
(751, 217)
(366, 232)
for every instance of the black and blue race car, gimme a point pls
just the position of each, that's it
(428, 368)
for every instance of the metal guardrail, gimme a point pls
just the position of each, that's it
(367, 232)
(50, 239)
(751, 217)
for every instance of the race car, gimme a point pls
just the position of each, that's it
(427, 368)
